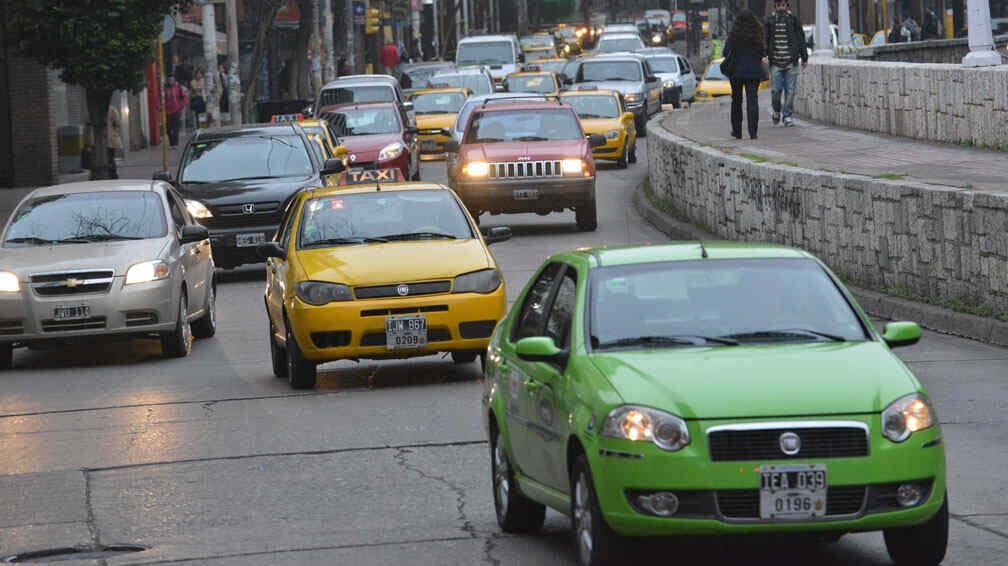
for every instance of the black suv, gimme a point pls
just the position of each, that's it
(237, 181)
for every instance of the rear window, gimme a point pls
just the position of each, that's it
(611, 71)
(486, 53)
(478, 83)
(364, 121)
(664, 64)
(349, 94)
(438, 102)
(540, 84)
(524, 125)
(613, 45)
(592, 106)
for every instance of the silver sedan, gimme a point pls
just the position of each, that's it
(104, 260)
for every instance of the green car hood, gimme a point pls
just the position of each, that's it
(759, 381)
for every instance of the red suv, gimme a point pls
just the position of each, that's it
(378, 135)
(527, 157)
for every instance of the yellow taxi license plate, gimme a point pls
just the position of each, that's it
(405, 332)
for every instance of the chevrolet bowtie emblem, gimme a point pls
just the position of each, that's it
(71, 282)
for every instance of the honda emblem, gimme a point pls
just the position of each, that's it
(248, 208)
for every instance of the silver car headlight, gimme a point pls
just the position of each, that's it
(319, 293)
(485, 281)
(147, 271)
(9, 282)
(906, 416)
(644, 424)
(197, 209)
(391, 151)
(634, 97)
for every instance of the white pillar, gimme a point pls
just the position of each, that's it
(234, 74)
(843, 21)
(981, 39)
(822, 30)
(211, 78)
(329, 70)
(465, 17)
(350, 37)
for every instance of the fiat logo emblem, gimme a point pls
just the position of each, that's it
(248, 208)
(403, 290)
(790, 443)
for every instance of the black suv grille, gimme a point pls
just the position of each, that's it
(235, 215)
(72, 283)
(764, 444)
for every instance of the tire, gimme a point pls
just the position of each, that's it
(278, 355)
(416, 176)
(515, 512)
(587, 219)
(300, 372)
(920, 545)
(178, 343)
(677, 99)
(595, 542)
(633, 153)
(206, 326)
(624, 159)
(641, 125)
(6, 356)
(464, 357)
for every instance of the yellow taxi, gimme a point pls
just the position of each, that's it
(553, 65)
(714, 83)
(379, 271)
(534, 82)
(436, 110)
(535, 54)
(602, 112)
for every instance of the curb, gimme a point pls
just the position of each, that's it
(888, 307)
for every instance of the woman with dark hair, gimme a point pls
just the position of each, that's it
(745, 51)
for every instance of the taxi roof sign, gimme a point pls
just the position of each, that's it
(366, 176)
(286, 118)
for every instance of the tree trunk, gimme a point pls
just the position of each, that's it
(267, 15)
(98, 107)
(298, 78)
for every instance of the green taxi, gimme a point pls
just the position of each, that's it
(718, 388)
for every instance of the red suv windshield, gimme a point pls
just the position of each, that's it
(524, 125)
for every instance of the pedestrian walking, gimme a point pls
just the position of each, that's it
(176, 102)
(745, 55)
(785, 42)
(389, 58)
(197, 103)
(113, 139)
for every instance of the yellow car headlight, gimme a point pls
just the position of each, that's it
(9, 282)
(477, 169)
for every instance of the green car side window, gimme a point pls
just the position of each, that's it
(533, 312)
(558, 324)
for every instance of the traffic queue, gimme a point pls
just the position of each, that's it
(641, 390)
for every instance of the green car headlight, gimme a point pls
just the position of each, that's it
(637, 423)
(906, 416)
(320, 293)
(485, 281)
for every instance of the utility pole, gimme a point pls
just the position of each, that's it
(234, 75)
(329, 70)
(210, 57)
(350, 38)
(465, 18)
(316, 48)
(523, 17)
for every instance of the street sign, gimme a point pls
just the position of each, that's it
(358, 8)
(167, 29)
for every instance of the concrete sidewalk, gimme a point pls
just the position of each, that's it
(815, 146)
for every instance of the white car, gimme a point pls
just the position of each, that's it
(501, 53)
(679, 82)
(619, 43)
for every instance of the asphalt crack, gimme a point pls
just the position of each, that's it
(976, 525)
(400, 457)
(489, 546)
(92, 525)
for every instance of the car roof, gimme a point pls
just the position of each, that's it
(656, 52)
(588, 92)
(373, 187)
(450, 89)
(245, 130)
(355, 105)
(685, 251)
(625, 56)
(105, 185)
(530, 105)
(362, 80)
(529, 73)
(479, 38)
(467, 70)
(501, 96)
(620, 35)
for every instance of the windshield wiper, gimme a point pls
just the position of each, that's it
(419, 236)
(99, 238)
(342, 241)
(28, 240)
(531, 138)
(670, 340)
(278, 140)
(787, 333)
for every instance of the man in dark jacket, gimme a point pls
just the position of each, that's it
(785, 43)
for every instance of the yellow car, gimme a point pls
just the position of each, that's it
(375, 272)
(554, 65)
(714, 83)
(535, 54)
(436, 110)
(602, 112)
(535, 82)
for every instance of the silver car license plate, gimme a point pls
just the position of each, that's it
(249, 240)
(793, 492)
(405, 332)
(526, 194)
(71, 312)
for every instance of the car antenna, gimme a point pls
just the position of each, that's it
(703, 250)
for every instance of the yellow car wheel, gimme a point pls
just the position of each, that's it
(624, 158)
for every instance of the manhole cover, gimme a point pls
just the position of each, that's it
(74, 553)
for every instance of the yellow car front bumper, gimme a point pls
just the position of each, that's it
(356, 329)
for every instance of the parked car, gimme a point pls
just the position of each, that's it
(105, 260)
(236, 181)
(645, 393)
(629, 74)
(377, 135)
(527, 157)
(678, 81)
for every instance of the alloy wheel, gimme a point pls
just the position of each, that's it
(502, 483)
(583, 519)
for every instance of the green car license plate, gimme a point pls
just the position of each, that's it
(792, 492)
(405, 332)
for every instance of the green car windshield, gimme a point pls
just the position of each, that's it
(727, 302)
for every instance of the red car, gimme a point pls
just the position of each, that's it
(527, 157)
(378, 136)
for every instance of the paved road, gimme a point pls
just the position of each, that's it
(213, 460)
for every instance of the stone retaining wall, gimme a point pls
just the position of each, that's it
(944, 245)
(949, 51)
(936, 102)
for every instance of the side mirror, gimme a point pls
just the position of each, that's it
(596, 140)
(540, 349)
(499, 87)
(408, 105)
(651, 79)
(497, 234)
(628, 116)
(271, 249)
(193, 233)
(899, 334)
(451, 146)
(567, 80)
(333, 166)
(307, 111)
(162, 176)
